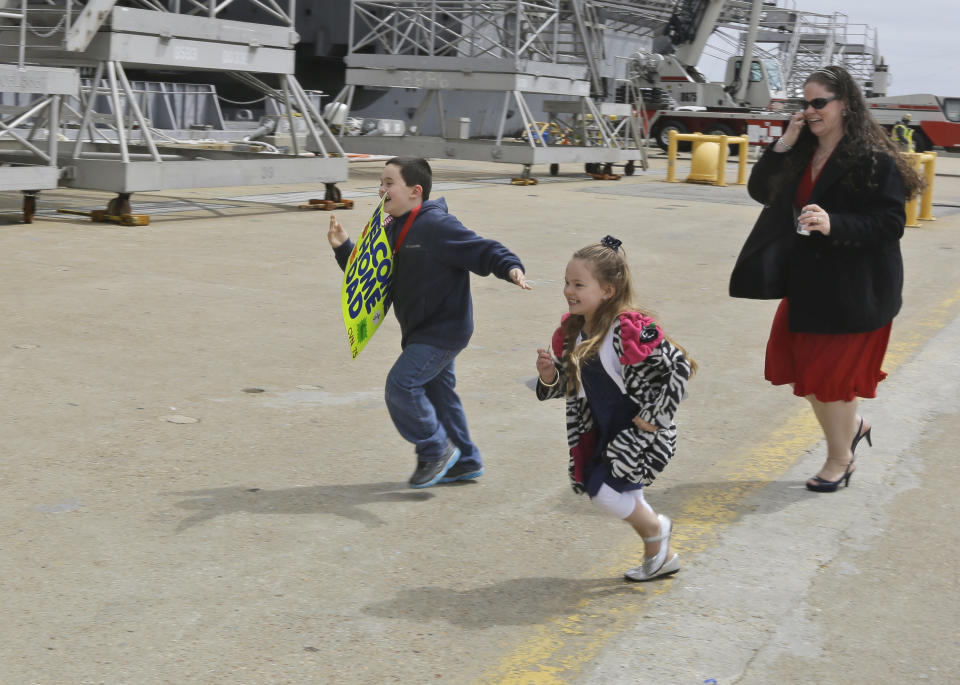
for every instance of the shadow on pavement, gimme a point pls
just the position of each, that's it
(339, 500)
(517, 601)
(735, 498)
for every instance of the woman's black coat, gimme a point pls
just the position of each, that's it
(847, 282)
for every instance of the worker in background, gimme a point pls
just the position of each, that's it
(902, 134)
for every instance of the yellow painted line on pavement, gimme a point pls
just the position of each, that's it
(559, 649)
(909, 340)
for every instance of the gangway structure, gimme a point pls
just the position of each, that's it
(561, 53)
(38, 91)
(817, 40)
(113, 146)
(802, 42)
(505, 49)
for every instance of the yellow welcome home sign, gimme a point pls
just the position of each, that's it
(366, 282)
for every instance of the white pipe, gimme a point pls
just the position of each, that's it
(87, 112)
(690, 53)
(747, 61)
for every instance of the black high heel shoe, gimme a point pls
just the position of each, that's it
(821, 485)
(860, 436)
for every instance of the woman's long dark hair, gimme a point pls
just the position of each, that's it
(863, 138)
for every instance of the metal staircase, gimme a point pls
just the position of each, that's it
(802, 42)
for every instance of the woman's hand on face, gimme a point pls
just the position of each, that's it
(643, 425)
(796, 124)
(545, 367)
(814, 218)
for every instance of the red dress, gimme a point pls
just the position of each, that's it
(832, 367)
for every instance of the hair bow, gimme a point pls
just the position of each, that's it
(611, 242)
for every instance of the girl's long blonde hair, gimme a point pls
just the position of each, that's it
(608, 264)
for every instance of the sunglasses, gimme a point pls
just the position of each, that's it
(817, 103)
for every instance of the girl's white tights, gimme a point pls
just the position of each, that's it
(620, 504)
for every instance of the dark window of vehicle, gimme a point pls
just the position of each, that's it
(951, 109)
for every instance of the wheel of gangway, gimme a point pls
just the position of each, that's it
(554, 169)
(119, 205)
(332, 193)
(629, 168)
(29, 205)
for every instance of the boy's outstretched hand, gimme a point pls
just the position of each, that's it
(517, 276)
(335, 234)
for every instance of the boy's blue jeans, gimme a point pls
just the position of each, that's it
(423, 404)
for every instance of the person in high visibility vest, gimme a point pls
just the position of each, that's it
(902, 134)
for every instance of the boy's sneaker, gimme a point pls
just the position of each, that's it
(463, 471)
(430, 472)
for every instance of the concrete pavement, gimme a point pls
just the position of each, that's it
(202, 487)
(861, 587)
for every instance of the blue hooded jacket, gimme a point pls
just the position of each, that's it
(430, 286)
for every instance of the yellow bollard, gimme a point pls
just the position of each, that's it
(920, 207)
(911, 210)
(722, 152)
(929, 173)
(709, 158)
(703, 162)
(912, 203)
(672, 157)
(742, 160)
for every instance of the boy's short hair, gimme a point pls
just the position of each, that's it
(415, 171)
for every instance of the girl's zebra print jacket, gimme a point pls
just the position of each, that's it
(653, 373)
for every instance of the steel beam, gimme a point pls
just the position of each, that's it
(86, 24)
(141, 50)
(466, 65)
(137, 176)
(40, 80)
(133, 20)
(148, 38)
(486, 151)
(28, 178)
(482, 81)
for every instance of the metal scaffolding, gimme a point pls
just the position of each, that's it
(115, 147)
(505, 50)
(28, 125)
(802, 42)
(556, 52)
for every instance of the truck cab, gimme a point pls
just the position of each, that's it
(689, 88)
(765, 86)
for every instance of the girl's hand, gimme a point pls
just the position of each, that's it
(545, 367)
(643, 425)
(335, 234)
(814, 218)
(518, 277)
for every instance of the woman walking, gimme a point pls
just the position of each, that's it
(834, 188)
